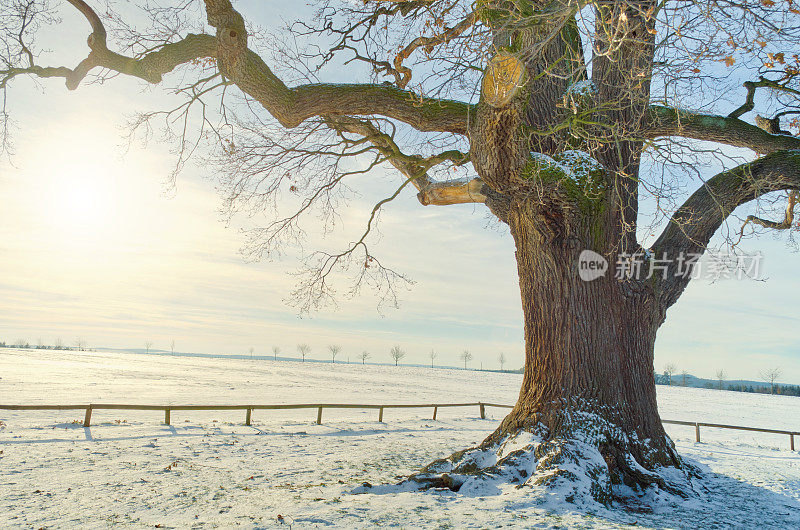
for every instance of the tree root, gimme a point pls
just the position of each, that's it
(589, 462)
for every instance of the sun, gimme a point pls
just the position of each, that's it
(84, 198)
(79, 205)
(82, 203)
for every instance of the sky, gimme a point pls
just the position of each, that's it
(96, 246)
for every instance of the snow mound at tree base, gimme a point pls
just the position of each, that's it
(576, 469)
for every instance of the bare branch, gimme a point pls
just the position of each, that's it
(404, 72)
(150, 67)
(315, 290)
(292, 106)
(786, 224)
(416, 168)
(665, 121)
(696, 221)
(751, 87)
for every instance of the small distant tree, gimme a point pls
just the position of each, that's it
(364, 356)
(502, 360)
(771, 376)
(684, 375)
(275, 351)
(251, 350)
(466, 356)
(721, 377)
(433, 356)
(20, 343)
(670, 369)
(172, 346)
(80, 344)
(148, 345)
(303, 350)
(397, 354)
(334, 349)
(59, 344)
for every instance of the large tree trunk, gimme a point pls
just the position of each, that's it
(588, 344)
(588, 349)
(587, 405)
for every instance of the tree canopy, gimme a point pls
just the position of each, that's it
(429, 68)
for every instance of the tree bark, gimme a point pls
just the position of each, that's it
(588, 345)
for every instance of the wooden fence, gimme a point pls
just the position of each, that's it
(250, 408)
(698, 424)
(88, 408)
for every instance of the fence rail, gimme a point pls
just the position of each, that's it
(167, 409)
(250, 408)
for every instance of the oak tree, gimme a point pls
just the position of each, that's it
(562, 119)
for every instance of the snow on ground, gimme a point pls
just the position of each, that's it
(209, 470)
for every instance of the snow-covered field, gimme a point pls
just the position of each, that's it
(209, 470)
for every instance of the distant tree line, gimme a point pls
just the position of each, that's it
(784, 390)
(769, 377)
(396, 353)
(78, 345)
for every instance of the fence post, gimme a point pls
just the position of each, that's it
(380, 415)
(166, 416)
(791, 442)
(697, 432)
(87, 420)
(319, 416)
(435, 409)
(483, 411)
(247, 417)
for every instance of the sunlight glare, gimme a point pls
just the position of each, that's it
(89, 193)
